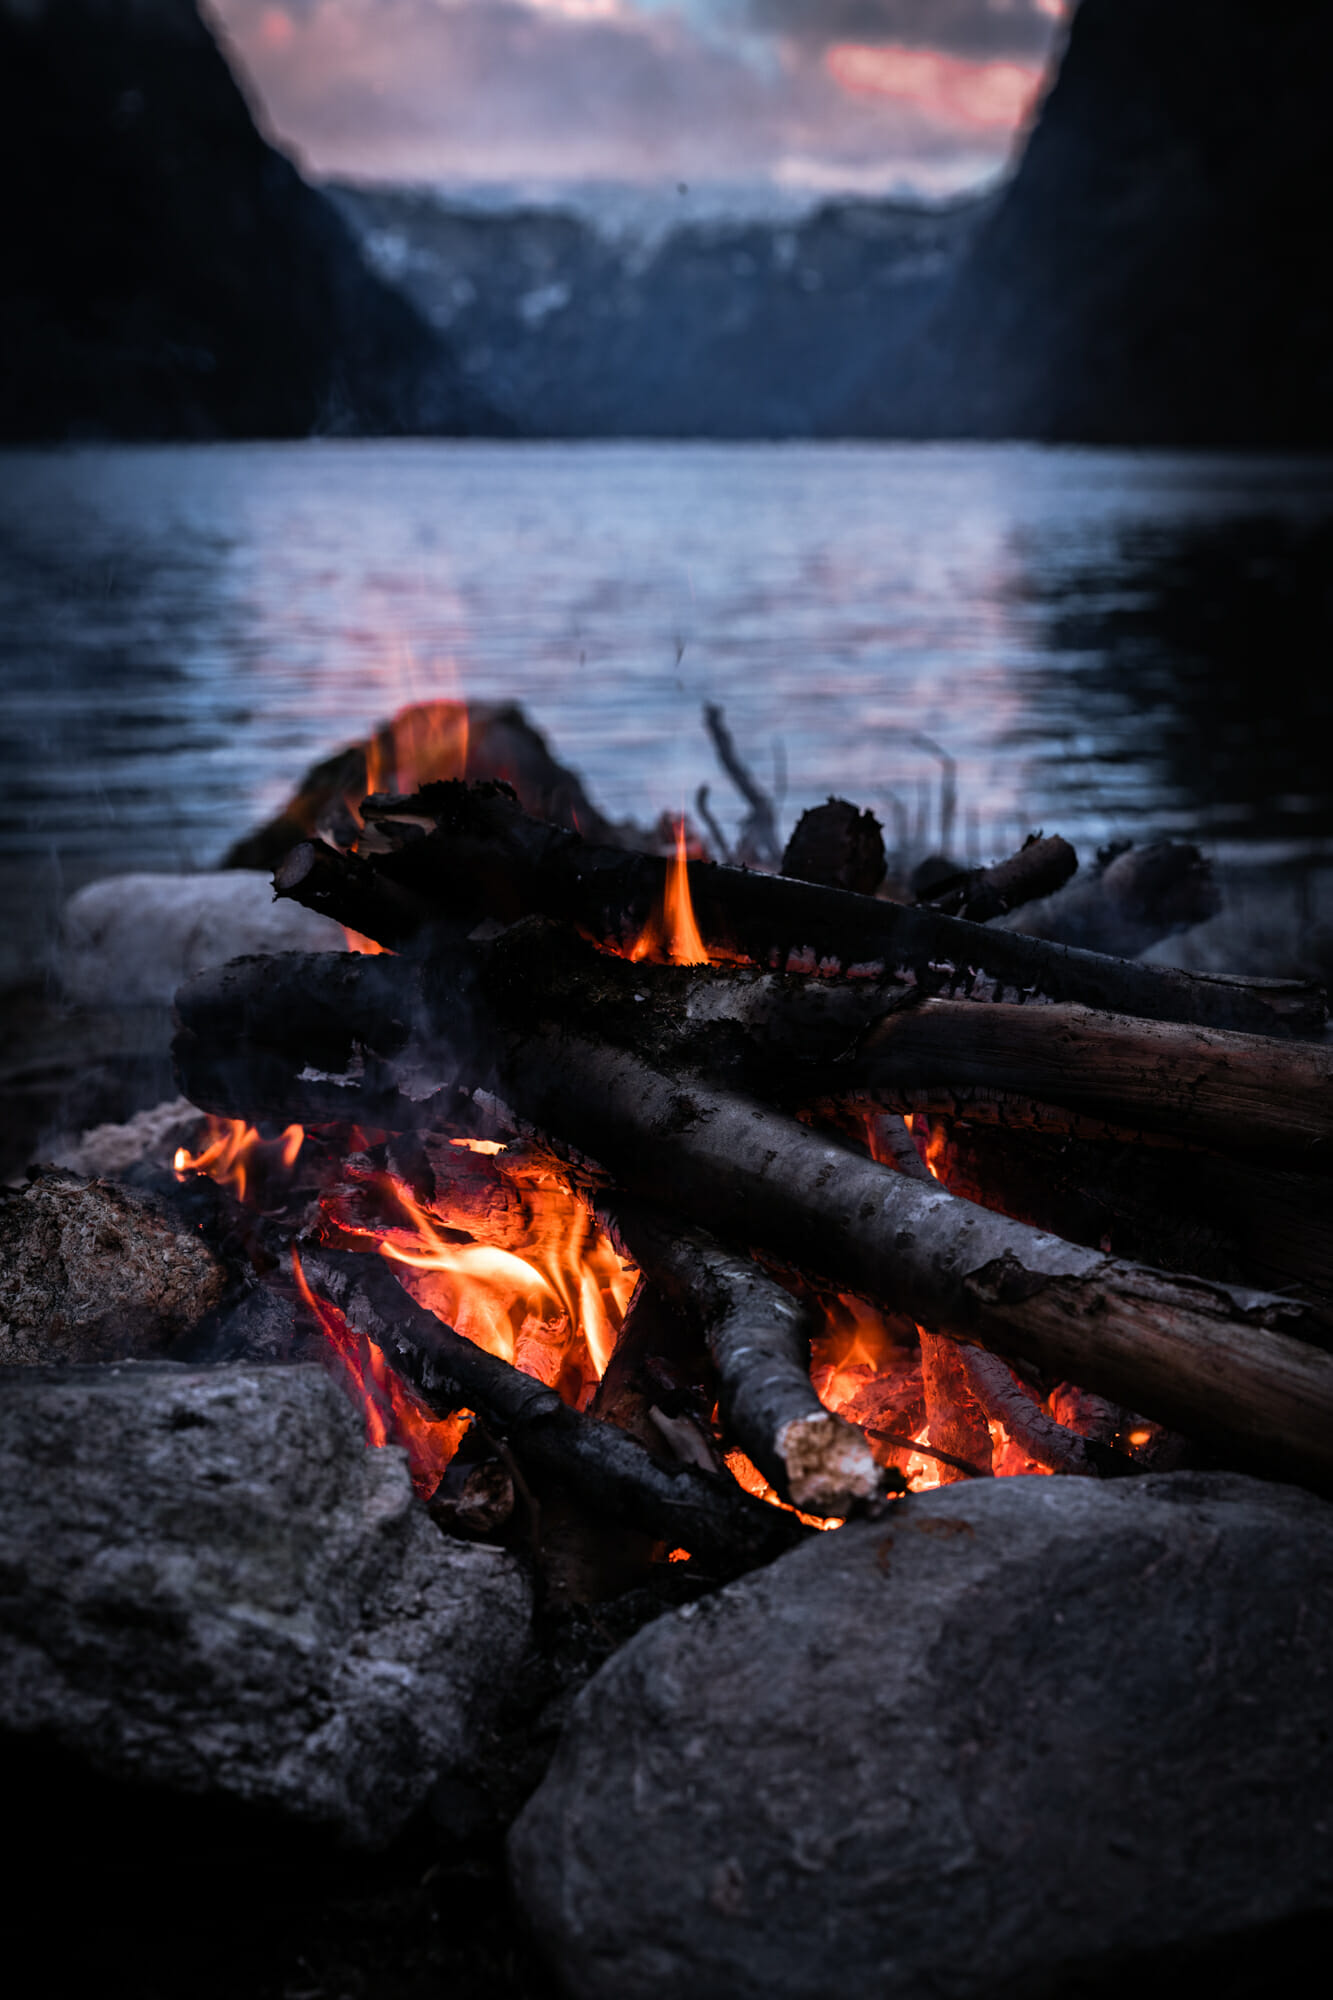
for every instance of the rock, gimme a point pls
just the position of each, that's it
(168, 272)
(1123, 907)
(91, 1271)
(1006, 1732)
(212, 1584)
(131, 940)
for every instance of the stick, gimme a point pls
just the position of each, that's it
(484, 858)
(1040, 867)
(759, 1338)
(711, 1516)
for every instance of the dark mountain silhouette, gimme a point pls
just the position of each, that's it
(167, 272)
(714, 329)
(1157, 272)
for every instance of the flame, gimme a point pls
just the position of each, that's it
(747, 1474)
(424, 742)
(233, 1150)
(365, 945)
(394, 1412)
(552, 1305)
(672, 933)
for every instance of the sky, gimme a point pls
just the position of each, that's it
(871, 96)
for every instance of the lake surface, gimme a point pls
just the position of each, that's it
(1107, 643)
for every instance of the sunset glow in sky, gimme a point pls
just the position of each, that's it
(877, 95)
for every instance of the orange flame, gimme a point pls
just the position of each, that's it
(423, 743)
(552, 1305)
(232, 1150)
(673, 933)
(394, 1413)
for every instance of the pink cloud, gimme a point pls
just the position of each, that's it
(950, 88)
(561, 89)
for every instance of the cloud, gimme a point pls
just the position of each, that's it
(569, 89)
(995, 95)
(983, 30)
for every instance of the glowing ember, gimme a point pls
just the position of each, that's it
(394, 1413)
(233, 1153)
(748, 1475)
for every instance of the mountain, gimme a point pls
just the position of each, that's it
(167, 272)
(727, 329)
(1157, 272)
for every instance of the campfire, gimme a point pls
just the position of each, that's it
(723, 1204)
(800, 1218)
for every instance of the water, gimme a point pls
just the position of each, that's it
(1107, 643)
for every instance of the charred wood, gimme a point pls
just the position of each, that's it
(791, 1038)
(352, 892)
(759, 1338)
(955, 1422)
(837, 846)
(1247, 1092)
(757, 841)
(1241, 1221)
(599, 1464)
(471, 854)
(1187, 1352)
(1040, 867)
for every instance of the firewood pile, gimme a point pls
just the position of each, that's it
(861, 1193)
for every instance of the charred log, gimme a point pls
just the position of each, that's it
(955, 1422)
(1237, 1220)
(1040, 867)
(794, 1040)
(759, 1338)
(471, 854)
(600, 1465)
(1247, 1092)
(837, 846)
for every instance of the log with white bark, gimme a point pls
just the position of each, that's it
(759, 1338)
(1204, 1357)
(709, 1515)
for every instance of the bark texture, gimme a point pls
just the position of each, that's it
(687, 1508)
(759, 1338)
(483, 858)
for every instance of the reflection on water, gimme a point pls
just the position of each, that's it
(1106, 642)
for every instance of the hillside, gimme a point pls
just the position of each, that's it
(167, 272)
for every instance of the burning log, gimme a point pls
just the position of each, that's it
(471, 854)
(759, 1339)
(681, 1505)
(1240, 1220)
(795, 1040)
(956, 1422)
(971, 1380)
(1230, 1365)
(1248, 1092)
(1226, 1364)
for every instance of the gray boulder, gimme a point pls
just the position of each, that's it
(1014, 1727)
(131, 940)
(208, 1581)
